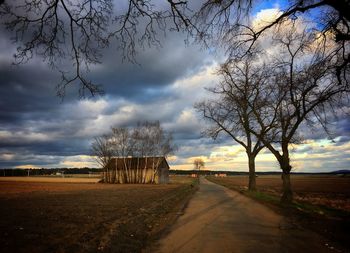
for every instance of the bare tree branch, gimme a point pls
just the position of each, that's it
(76, 32)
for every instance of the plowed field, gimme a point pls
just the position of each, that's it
(66, 216)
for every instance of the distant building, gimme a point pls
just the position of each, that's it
(221, 175)
(143, 170)
(194, 175)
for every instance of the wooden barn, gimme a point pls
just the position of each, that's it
(139, 170)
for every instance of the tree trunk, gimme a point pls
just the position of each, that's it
(287, 196)
(138, 180)
(107, 175)
(284, 161)
(127, 178)
(252, 178)
(145, 171)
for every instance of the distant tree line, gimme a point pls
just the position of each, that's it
(145, 140)
(7, 172)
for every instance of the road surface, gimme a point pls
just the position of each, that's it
(220, 220)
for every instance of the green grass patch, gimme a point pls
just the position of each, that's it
(261, 196)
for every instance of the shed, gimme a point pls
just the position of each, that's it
(138, 170)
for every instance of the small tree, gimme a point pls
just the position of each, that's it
(198, 163)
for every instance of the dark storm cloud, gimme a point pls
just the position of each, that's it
(37, 128)
(343, 125)
(60, 147)
(34, 160)
(25, 89)
(155, 69)
(36, 124)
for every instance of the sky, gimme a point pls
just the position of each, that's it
(38, 129)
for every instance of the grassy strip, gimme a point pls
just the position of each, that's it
(332, 223)
(268, 197)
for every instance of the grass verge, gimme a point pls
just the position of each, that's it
(333, 224)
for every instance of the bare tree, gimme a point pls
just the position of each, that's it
(123, 144)
(229, 23)
(230, 111)
(122, 141)
(198, 163)
(147, 140)
(152, 141)
(103, 153)
(303, 89)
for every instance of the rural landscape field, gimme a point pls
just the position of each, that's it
(175, 126)
(77, 215)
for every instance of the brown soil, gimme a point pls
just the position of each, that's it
(322, 203)
(54, 179)
(85, 217)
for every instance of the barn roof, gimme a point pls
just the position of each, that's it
(140, 162)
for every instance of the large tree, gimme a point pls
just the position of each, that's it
(229, 110)
(302, 89)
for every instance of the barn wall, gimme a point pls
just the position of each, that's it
(163, 173)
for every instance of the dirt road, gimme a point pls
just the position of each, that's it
(220, 220)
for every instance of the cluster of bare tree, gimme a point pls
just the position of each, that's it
(78, 30)
(264, 98)
(147, 140)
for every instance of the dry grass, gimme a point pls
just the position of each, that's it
(181, 179)
(330, 191)
(85, 217)
(322, 203)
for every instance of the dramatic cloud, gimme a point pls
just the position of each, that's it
(37, 129)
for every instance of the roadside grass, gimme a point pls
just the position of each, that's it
(297, 205)
(332, 223)
(272, 197)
